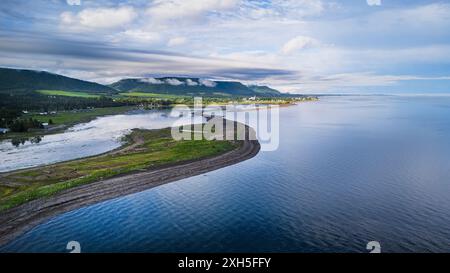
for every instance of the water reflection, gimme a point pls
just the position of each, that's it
(87, 139)
(348, 170)
(95, 137)
(16, 142)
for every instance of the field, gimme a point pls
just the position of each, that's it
(151, 95)
(67, 94)
(145, 149)
(85, 115)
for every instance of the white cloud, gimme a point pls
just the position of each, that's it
(138, 35)
(176, 41)
(190, 82)
(67, 18)
(310, 83)
(299, 8)
(100, 17)
(431, 15)
(187, 9)
(298, 43)
(151, 80)
(174, 82)
(208, 83)
(223, 38)
(74, 2)
(286, 9)
(374, 2)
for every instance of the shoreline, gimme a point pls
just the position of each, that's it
(61, 128)
(18, 220)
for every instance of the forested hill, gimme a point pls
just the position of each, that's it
(15, 80)
(192, 86)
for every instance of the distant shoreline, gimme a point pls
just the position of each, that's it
(20, 219)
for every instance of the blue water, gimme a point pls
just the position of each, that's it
(348, 170)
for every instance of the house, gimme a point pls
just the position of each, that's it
(4, 130)
(252, 98)
(25, 111)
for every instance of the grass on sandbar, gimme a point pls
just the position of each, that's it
(145, 149)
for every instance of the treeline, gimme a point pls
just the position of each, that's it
(7, 116)
(11, 119)
(155, 102)
(12, 105)
(23, 125)
(33, 101)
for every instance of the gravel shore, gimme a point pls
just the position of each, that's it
(18, 220)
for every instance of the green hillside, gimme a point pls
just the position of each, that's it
(192, 87)
(27, 90)
(28, 80)
(15, 81)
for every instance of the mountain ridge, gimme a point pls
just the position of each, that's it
(192, 86)
(26, 80)
(31, 80)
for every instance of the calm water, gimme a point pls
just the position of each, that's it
(98, 136)
(348, 170)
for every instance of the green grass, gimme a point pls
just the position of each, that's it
(151, 148)
(67, 93)
(151, 95)
(85, 115)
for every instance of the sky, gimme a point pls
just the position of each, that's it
(297, 46)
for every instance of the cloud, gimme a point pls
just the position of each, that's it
(298, 43)
(94, 18)
(151, 80)
(309, 83)
(434, 14)
(137, 35)
(374, 2)
(73, 2)
(283, 9)
(190, 82)
(163, 10)
(299, 8)
(174, 82)
(207, 83)
(106, 61)
(323, 43)
(176, 41)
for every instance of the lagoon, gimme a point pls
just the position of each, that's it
(87, 139)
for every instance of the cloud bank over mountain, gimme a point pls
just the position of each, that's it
(300, 46)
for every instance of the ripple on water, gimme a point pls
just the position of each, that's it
(348, 171)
